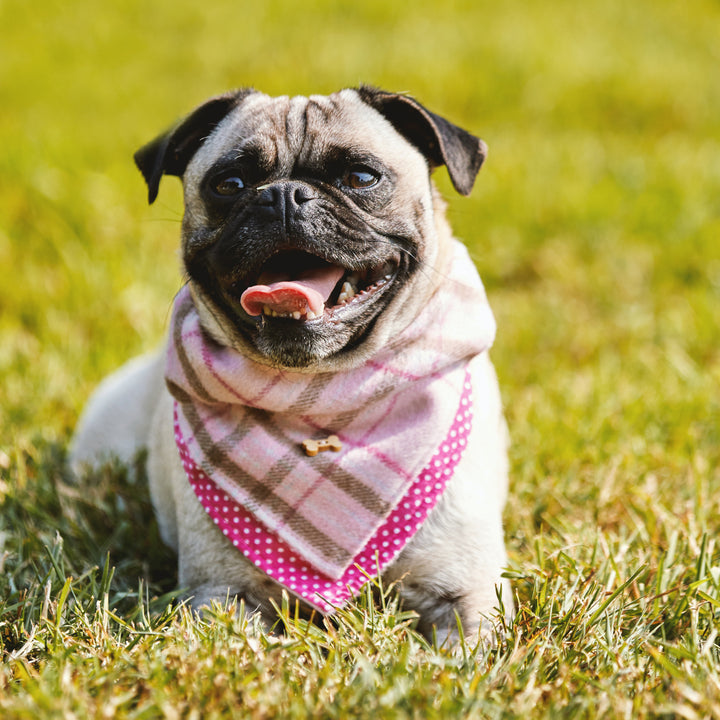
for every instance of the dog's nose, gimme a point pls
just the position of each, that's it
(284, 199)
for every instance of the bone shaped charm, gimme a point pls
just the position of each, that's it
(313, 447)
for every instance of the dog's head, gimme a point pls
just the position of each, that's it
(312, 232)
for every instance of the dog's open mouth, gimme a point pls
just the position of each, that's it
(304, 287)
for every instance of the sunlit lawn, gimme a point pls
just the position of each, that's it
(595, 225)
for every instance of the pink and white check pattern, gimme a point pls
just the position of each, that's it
(277, 559)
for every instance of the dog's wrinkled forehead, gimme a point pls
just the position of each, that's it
(291, 132)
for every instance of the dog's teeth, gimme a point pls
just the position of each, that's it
(267, 310)
(297, 315)
(310, 315)
(347, 292)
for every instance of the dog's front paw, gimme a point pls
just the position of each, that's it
(206, 600)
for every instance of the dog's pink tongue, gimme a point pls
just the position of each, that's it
(309, 291)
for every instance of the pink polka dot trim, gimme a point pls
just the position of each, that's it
(278, 560)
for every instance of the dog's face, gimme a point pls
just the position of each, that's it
(311, 232)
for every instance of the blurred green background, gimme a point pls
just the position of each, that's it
(594, 223)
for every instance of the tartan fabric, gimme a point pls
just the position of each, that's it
(276, 559)
(243, 423)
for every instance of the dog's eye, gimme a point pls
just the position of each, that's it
(359, 178)
(228, 186)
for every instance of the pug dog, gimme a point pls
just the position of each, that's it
(327, 307)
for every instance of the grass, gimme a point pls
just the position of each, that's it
(595, 226)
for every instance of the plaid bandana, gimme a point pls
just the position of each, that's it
(400, 416)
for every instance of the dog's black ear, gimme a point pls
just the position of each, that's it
(170, 153)
(440, 141)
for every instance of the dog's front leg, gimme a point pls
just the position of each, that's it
(452, 568)
(444, 589)
(209, 567)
